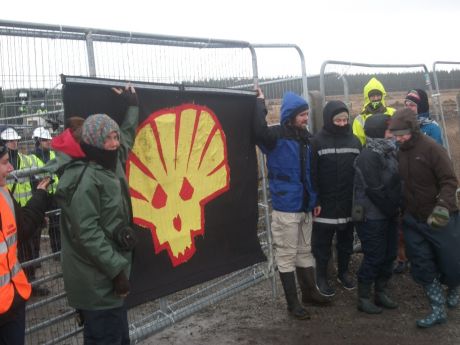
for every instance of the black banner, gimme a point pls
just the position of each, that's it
(193, 180)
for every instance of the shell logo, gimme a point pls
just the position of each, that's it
(177, 165)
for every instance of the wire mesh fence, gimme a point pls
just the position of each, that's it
(33, 58)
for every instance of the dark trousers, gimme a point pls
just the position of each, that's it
(105, 327)
(379, 242)
(26, 253)
(12, 326)
(321, 241)
(433, 253)
(35, 239)
(54, 233)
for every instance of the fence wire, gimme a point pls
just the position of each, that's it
(32, 58)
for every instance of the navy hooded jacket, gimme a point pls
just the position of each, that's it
(334, 151)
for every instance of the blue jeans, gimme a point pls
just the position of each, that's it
(12, 326)
(105, 327)
(379, 242)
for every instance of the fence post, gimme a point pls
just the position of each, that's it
(90, 52)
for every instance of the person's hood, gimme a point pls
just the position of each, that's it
(373, 84)
(67, 149)
(331, 109)
(66, 143)
(419, 97)
(291, 106)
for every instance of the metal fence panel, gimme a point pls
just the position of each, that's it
(32, 58)
(449, 101)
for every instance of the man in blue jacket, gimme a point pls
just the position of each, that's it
(288, 151)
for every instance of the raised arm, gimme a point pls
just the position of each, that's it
(130, 121)
(266, 137)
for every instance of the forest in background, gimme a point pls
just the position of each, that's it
(393, 82)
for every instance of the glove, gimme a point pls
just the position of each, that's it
(121, 284)
(130, 97)
(438, 218)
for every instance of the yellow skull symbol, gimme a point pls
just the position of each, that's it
(178, 164)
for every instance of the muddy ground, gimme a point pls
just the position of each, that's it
(256, 317)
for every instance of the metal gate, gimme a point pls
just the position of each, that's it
(32, 58)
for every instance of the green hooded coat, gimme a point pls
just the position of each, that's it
(92, 208)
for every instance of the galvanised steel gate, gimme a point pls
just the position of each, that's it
(32, 58)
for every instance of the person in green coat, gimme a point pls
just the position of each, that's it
(95, 215)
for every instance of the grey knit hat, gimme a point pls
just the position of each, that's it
(96, 128)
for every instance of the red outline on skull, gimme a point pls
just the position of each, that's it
(157, 164)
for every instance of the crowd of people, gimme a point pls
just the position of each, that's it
(385, 176)
(85, 178)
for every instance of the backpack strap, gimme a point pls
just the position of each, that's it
(69, 201)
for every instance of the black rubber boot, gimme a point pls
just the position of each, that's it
(321, 280)
(343, 277)
(435, 294)
(290, 291)
(381, 296)
(364, 302)
(310, 291)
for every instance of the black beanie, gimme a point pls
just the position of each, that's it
(376, 125)
(419, 97)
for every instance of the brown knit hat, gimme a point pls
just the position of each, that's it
(404, 121)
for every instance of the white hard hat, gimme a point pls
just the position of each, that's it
(10, 134)
(42, 133)
(42, 104)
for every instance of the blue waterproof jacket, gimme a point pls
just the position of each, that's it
(288, 153)
(430, 127)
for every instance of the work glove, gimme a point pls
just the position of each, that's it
(439, 217)
(121, 284)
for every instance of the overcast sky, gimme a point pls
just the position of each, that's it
(385, 31)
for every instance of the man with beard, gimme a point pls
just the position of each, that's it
(288, 150)
(431, 222)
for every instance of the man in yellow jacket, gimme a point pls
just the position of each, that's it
(374, 103)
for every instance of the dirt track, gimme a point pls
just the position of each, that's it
(254, 317)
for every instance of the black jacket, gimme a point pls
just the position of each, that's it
(28, 220)
(377, 183)
(334, 150)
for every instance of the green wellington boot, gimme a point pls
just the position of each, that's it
(381, 296)
(365, 304)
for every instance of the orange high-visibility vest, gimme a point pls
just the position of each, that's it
(11, 274)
